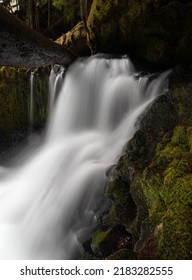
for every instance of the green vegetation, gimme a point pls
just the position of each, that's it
(151, 192)
(15, 98)
(156, 174)
(162, 187)
(112, 243)
(69, 8)
(167, 187)
(100, 237)
(154, 31)
(13, 101)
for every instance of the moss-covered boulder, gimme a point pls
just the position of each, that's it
(151, 190)
(167, 187)
(123, 210)
(15, 99)
(156, 171)
(158, 32)
(111, 240)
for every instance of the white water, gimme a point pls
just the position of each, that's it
(31, 105)
(48, 204)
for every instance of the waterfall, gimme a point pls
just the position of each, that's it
(49, 204)
(55, 83)
(31, 105)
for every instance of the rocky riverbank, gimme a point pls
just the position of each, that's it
(150, 193)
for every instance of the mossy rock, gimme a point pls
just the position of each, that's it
(122, 254)
(166, 185)
(124, 209)
(162, 116)
(156, 169)
(106, 242)
(118, 190)
(15, 99)
(158, 32)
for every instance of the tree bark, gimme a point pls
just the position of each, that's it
(29, 14)
(21, 46)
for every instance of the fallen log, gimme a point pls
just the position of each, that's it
(21, 46)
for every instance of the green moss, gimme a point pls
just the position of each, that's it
(40, 96)
(178, 136)
(108, 242)
(15, 99)
(100, 237)
(182, 98)
(119, 191)
(174, 239)
(70, 11)
(168, 193)
(152, 30)
(156, 169)
(103, 24)
(189, 136)
(122, 254)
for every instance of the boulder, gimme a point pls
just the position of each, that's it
(157, 32)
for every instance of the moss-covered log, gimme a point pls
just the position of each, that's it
(76, 40)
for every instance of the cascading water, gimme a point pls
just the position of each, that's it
(48, 204)
(55, 83)
(31, 105)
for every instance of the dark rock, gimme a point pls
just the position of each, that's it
(15, 99)
(113, 239)
(122, 254)
(158, 32)
(150, 189)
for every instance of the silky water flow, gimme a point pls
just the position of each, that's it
(31, 105)
(49, 204)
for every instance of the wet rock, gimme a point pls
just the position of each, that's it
(162, 177)
(108, 241)
(150, 191)
(15, 99)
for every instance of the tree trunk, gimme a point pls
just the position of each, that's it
(21, 46)
(48, 13)
(29, 13)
